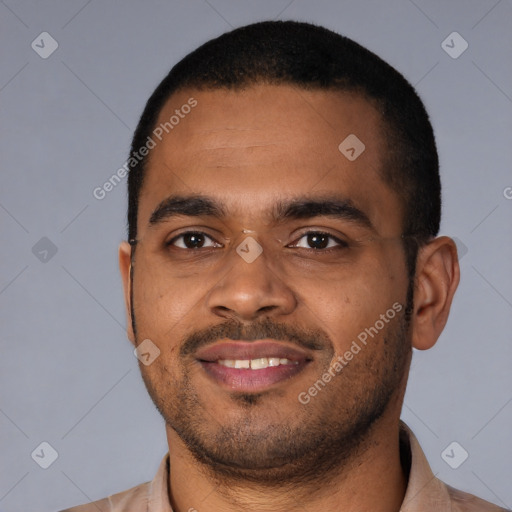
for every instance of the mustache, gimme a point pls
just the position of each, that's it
(310, 339)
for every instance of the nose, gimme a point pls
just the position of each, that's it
(250, 290)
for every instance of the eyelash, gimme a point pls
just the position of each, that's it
(341, 243)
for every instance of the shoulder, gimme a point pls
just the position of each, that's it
(425, 491)
(151, 495)
(464, 502)
(125, 501)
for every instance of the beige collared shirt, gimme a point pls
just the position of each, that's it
(425, 493)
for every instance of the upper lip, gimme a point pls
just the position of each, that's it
(250, 350)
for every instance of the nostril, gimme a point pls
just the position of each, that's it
(266, 308)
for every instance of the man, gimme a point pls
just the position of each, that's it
(284, 202)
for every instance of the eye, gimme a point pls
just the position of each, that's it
(318, 240)
(193, 240)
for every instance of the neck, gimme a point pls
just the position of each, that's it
(373, 481)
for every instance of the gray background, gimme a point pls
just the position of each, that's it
(68, 374)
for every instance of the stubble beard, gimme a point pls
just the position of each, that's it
(312, 443)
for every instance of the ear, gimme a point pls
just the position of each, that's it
(437, 278)
(125, 266)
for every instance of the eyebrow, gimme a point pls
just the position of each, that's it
(298, 208)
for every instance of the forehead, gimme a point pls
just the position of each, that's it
(248, 147)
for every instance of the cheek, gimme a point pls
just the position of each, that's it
(163, 306)
(354, 304)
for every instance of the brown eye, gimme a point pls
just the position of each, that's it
(193, 240)
(318, 240)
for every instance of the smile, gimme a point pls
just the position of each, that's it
(252, 366)
(255, 364)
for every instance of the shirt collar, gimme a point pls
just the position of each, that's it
(158, 494)
(424, 491)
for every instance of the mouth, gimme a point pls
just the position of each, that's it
(255, 364)
(252, 366)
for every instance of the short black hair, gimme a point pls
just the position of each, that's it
(313, 57)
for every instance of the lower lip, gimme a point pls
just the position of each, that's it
(251, 380)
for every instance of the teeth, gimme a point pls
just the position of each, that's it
(230, 363)
(258, 364)
(255, 364)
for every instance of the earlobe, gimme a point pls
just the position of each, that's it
(437, 278)
(125, 266)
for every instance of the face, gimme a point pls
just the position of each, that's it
(270, 273)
